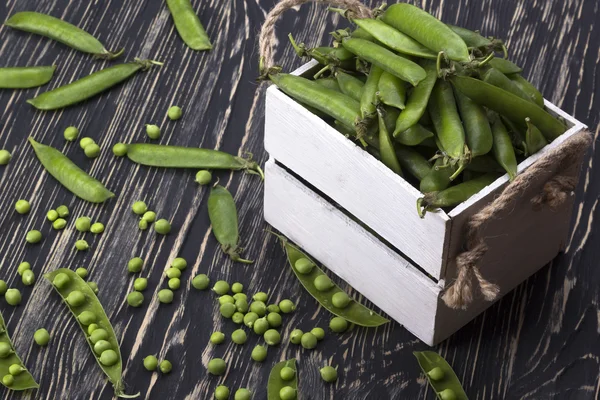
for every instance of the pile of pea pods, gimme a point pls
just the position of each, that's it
(441, 105)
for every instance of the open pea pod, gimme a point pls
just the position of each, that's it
(22, 381)
(440, 375)
(275, 383)
(354, 312)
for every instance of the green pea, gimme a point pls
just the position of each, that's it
(135, 299)
(151, 363)
(242, 305)
(98, 334)
(85, 141)
(273, 308)
(308, 341)
(109, 357)
(216, 366)
(97, 227)
(323, 283)
(52, 215)
(261, 296)
(4, 157)
(340, 300)
(259, 308)
(436, 374)
(71, 133)
(174, 283)
(81, 245)
(91, 328)
(203, 177)
(287, 393)
(179, 262)
(3, 287)
(237, 288)
(318, 332)
(165, 296)
(153, 131)
(259, 353)
(5, 350)
(165, 366)
(140, 284)
(221, 392)
(287, 373)
(239, 336)
(61, 280)
(82, 272)
(135, 265)
(92, 150)
(63, 211)
(76, 298)
(296, 336)
(338, 324)
(227, 310)
(447, 394)
(226, 299)
(237, 318)
(201, 282)
(274, 320)
(7, 380)
(150, 217)
(24, 266)
(93, 286)
(240, 296)
(119, 149)
(286, 306)
(101, 346)
(172, 273)
(329, 374)
(82, 224)
(217, 338)
(41, 337)
(304, 266)
(87, 317)
(59, 224)
(249, 319)
(139, 207)
(174, 113)
(13, 297)
(15, 369)
(22, 206)
(242, 394)
(143, 224)
(260, 326)
(162, 227)
(221, 287)
(33, 236)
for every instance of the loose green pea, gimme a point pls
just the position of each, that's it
(61, 280)
(201, 282)
(76, 298)
(174, 113)
(338, 324)
(436, 374)
(3, 287)
(135, 265)
(274, 320)
(259, 353)
(13, 297)
(304, 266)
(153, 131)
(87, 317)
(162, 227)
(226, 299)
(140, 284)
(86, 141)
(7, 380)
(203, 177)
(259, 308)
(239, 336)
(151, 363)
(323, 283)
(221, 392)
(101, 346)
(242, 394)
(165, 296)
(237, 288)
(24, 266)
(98, 334)
(63, 211)
(41, 337)
(52, 215)
(273, 308)
(308, 341)
(221, 288)
(119, 149)
(237, 318)
(4, 157)
(93, 286)
(287, 393)
(139, 207)
(150, 217)
(143, 224)
(329, 374)
(447, 394)
(165, 366)
(109, 357)
(249, 319)
(340, 300)
(71, 133)
(242, 305)
(172, 273)
(287, 373)
(91, 328)
(59, 224)
(272, 337)
(318, 332)
(261, 296)
(135, 299)
(174, 283)
(260, 326)
(296, 336)
(33, 236)
(82, 272)
(92, 150)
(82, 224)
(97, 227)
(286, 306)
(22, 206)
(15, 369)
(179, 263)
(5, 350)
(217, 366)
(227, 310)
(82, 245)
(217, 338)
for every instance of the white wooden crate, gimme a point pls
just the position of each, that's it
(405, 273)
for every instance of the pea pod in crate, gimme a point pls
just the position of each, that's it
(87, 310)
(354, 312)
(277, 387)
(440, 375)
(15, 375)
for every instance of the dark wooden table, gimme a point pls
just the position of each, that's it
(541, 341)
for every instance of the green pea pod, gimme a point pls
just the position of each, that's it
(528, 88)
(76, 180)
(503, 149)
(337, 57)
(438, 178)
(533, 138)
(355, 312)
(377, 55)
(440, 375)
(188, 25)
(477, 127)
(350, 85)
(517, 134)
(416, 104)
(392, 91)
(275, 383)
(71, 282)
(509, 105)
(497, 78)
(334, 53)
(360, 33)
(412, 161)
(505, 66)
(329, 83)
(413, 136)
(223, 216)
(429, 143)
(22, 381)
(454, 195)
(427, 30)
(88, 86)
(61, 31)
(472, 39)
(25, 77)
(386, 148)
(368, 97)
(485, 163)
(393, 38)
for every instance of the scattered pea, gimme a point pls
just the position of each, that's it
(259, 353)
(28, 277)
(87, 317)
(436, 374)
(172, 273)
(140, 284)
(135, 265)
(237, 288)
(162, 227)
(41, 337)
(93, 286)
(340, 300)
(309, 341)
(151, 363)
(149, 216)
(249, 319)
(82, 224)
(63, 211)
(318, 332)
(24, 266)
(273, 308)
(92, 150)
(153, 131)
(165, 366)
(71, 133)
(22, 206)
(135, 299)
(323, 283)
(217, 338)
(296, 336)
(165, 296)
(179, 263)
(82, 272)
(260, 326)
(274, 320)
(217, 366)
(3, 287)
(272, 337)
(203, 177)
(286, 306)
(239, 336)
(221, 288)
(85, 141)
(242, 394)
(143, 224)
(174, 283)
(52, 215)
(261, 296)
(139, 207)
(287, 393)
(329, 374)
(8, 379)
(338, 324)
(119, 149)
(304, 266)
(226, 299)
(259, 308)
(227, 310)
(13, 297)
(174, 113)
(59, 224)
(97, 227)
(221, 392)
(82, 245)
(33, 236)
(201, 282)
(4, 157)
(287, 373)
(237, 318)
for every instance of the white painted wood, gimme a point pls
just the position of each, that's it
(352, 253)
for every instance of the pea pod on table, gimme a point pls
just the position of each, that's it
(354, 312)
(440, 376)
(188, 25)
(25, 77)
(8, 357)
(392, 91)
(87, 310)
(275, 383)
(61, 31)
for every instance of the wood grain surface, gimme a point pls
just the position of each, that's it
(541, 341)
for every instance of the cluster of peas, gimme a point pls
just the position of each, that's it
(148, 217)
